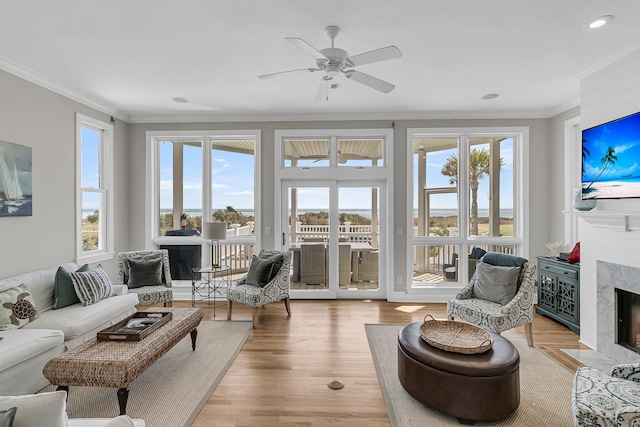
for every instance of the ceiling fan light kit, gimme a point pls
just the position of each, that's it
(334, 61)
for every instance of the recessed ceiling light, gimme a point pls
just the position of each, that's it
(181, 100)
(490, 96)
(600, 22)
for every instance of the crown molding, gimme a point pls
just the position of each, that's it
(50, 84)
(453, 115)
(608, 60)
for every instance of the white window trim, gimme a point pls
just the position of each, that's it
(107, 220)
(153, 180)
(572, 175)
(521, 201)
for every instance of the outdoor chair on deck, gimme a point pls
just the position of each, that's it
(148, 274)
(313, 269)
(488, 300)
(262, 284)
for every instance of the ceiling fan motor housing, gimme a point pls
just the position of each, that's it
(337, 60)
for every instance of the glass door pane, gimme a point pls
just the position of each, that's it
(308, 237)
(358, 239)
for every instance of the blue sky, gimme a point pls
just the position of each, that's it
(90, 168)
(435, 179)
(624, 136)
(232, 182)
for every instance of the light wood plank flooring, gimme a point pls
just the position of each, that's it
(280, 377)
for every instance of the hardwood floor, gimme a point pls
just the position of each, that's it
(280, 377)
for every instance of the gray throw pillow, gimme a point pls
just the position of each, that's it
(495, 283)
(144, 273)
(7, 417)
(259, 272)
(63, 293)
(276, 260)
(92, 286)
(153, 256)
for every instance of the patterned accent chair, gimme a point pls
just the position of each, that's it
(601, 400)
(254, 296)
(493, 316)
(148, 295)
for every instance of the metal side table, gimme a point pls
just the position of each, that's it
(209, 282)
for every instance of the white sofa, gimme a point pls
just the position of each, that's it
(25, 351)
(50, 409)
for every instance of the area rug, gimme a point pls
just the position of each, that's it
(545, 386)
(173, 390)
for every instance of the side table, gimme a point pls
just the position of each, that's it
(208, 282)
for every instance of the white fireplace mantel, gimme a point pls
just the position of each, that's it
(621, 221)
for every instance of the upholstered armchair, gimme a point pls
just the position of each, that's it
(256, 296)
(602, 400)
(148, 274)
(495, 316)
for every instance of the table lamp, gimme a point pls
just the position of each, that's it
(215, 231)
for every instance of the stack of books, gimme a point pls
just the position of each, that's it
(563, 256)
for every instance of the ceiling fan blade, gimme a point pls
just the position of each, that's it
(301, 44)
(269, 76)
(323, 91)
(382, 54)
(370, 81)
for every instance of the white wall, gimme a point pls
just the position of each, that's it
(607, 94)
(45, 121)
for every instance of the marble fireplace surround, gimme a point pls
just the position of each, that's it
(609, 277)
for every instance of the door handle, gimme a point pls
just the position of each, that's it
(283, 242)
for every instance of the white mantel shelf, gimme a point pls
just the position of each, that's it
(622, 221)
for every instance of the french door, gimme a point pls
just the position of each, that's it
(336, 230)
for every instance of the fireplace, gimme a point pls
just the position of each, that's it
(628, 319)
(615, 340)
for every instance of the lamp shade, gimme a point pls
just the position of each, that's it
(214, 230)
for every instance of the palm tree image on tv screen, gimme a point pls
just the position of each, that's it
(610, 159)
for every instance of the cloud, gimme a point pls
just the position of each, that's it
(622, 148)
(239, 193)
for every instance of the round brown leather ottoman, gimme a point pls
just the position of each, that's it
(470, 387)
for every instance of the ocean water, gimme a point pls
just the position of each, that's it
(504, 213)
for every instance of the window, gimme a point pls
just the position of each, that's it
(309, 153)
(94, 194)
(203, 175)
(453, 213)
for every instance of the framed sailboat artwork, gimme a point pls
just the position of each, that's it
(15, 180)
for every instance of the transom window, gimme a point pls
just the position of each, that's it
(340, 152)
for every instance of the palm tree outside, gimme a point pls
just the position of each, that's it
(479, 167)
(609, 158)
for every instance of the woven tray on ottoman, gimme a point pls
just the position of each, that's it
(458, 337)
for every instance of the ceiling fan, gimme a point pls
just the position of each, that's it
(333, 61)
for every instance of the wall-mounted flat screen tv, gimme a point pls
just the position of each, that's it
(611, 159)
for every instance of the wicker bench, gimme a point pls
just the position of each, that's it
(117, 363)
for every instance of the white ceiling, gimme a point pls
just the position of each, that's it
(131, 58)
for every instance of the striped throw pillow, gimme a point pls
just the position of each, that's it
(92, 286)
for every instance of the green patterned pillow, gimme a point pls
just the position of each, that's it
(63, 293)
(17, 307)
(92, 286)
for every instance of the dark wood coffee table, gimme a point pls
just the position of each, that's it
(117, 363)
